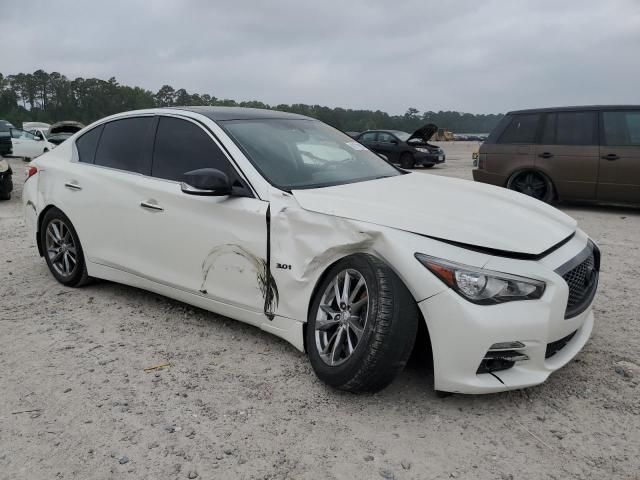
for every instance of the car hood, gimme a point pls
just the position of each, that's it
(69, 127)
(424, 133)
(449, 209)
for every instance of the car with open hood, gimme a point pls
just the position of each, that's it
(60, 131)
(283, 222)
(408, 150)
(6, 181)
(6, 146)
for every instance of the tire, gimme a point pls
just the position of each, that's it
(5, 196)
(532, 183)
(407, 161)
(429, 165)
(380, 333)
(62, 249)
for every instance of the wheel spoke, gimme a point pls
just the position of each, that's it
(338, 346)
(349, 344)
(336, 290)
(324, 325)
(345, 287)
(52, 236)
(356, 306)
(56, 232)
(67, 268)
(355, 328)
(356, 289)
(57, 256)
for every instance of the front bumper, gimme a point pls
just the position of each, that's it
(429, 158)
(462, 333)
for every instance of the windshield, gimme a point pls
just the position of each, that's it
(293, 154)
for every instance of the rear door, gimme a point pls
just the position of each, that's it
(568, 153)
(514, 149)
(370, 139)
(619, 178)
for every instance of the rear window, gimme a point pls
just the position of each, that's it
(621, 128)
(125, 145)
(570, 128)
(87, 144)
(522, 129)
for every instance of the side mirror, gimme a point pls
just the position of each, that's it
(206, 181)
(394, 142)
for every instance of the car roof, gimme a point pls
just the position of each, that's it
(576, 109)
(240, 113)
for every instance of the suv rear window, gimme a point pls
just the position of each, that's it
(125, 145)
(522, 129)
(570, 128)
(621, 128)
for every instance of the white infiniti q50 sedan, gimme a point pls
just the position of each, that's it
(283, 222)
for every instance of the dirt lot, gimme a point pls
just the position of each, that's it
(239, 403)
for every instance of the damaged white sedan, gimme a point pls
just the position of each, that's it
(283, 222)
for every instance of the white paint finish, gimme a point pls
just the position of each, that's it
(27, 145)
(446, 208)
(168, 251)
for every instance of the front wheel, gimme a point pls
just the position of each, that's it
(407, 161)
(533, 184)
(362, 325)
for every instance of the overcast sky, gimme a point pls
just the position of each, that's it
(473, 56)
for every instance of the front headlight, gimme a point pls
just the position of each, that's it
(423, 150)
(480, 286)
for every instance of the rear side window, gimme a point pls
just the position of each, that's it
(182, 146)
(124, 145)
(87, 144)
(570, 128)
(522, 129)
(621, 128)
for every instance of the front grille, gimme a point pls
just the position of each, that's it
(555, 347)
(581, 275)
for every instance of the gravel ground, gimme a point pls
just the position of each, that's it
(239, 403)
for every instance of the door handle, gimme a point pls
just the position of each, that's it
(73, 186)
(152, 206)
(611, 157)
(546, 155)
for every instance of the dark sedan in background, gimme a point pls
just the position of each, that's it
(407, 149)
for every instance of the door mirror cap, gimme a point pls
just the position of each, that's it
(206, 181)
(394, 141)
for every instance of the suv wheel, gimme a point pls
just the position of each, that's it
(533, 184)
(362, 325)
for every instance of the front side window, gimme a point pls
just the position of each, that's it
(522, 129)
(385, 137)
(570, 128)
(181, 147)
(87, 144)
(293, 154)
(368, 137)
(621, 128)
(124, 145)
(21, 134)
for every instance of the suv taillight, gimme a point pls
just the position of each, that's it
(31, 171)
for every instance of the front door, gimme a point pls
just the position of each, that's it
(619, 178)
(568, 153)
(216, 246)
(388, 146)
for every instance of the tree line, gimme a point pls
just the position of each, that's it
(50, 97)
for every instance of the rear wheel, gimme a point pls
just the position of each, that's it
(406, 160)
(362, 325)
(533, 184)
(62, 249)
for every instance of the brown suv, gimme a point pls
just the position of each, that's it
(569, 153)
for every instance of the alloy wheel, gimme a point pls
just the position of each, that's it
(532, 184)
(342, 317)
(61, 248)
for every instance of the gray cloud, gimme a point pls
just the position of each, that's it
(480, 57)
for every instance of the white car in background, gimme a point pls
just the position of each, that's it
(27, 145)
(283, 222)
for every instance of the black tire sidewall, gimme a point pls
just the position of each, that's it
(341, 374)
(75, 279)
(549, 194)
(407, 160)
